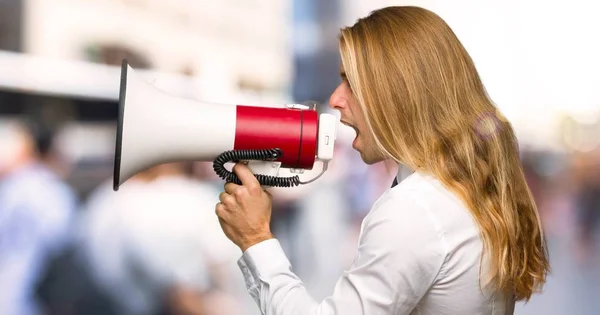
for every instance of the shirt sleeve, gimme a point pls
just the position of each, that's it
(399, 256)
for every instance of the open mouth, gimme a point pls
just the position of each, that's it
(351, 126)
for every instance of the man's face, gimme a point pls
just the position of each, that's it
(343, 100)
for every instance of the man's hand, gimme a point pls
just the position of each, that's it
(245, 210)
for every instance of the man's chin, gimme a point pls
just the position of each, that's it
(366, 154)
(368, 158)
(371, 161)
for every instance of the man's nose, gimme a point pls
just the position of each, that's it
(336, 100)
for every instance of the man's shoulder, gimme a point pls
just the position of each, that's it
(408, 193)
(400, 223)
(423, 196)
(407, 201)
(425, 190)
(415, 182)
(38, 188)
(416, 204)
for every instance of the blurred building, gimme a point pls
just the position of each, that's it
(316, 26)
(65, 57)
(234, 45)
(315, 49)
(10, 25)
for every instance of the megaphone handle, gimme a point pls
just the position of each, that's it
(268, 168)
(262, 160)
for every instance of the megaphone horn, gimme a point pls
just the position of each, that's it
(155, 127)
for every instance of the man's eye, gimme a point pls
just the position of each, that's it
(347, 83)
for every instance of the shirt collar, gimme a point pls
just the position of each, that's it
(403, 172)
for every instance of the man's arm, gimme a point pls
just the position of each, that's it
(399, 257)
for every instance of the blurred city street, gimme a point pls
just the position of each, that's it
(571, 289)
(70, 245)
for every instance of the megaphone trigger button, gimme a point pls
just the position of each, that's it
(275, 154)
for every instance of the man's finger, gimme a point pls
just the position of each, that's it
(246, 177)
(228, 200)
(223, 197)
(223, 224)
(231, 188)
(221, 212)
(226, 228)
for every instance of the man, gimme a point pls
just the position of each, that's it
(460, 235)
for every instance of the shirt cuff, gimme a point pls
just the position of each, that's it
(263, 259)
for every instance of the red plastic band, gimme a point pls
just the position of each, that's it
(294, 131)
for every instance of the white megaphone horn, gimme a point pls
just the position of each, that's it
(155, 127)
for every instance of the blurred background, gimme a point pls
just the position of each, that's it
(70, 245)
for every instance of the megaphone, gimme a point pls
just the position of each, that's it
(155, 127)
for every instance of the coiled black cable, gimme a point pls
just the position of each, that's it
(261, 155)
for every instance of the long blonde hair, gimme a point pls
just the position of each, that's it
(428, 109)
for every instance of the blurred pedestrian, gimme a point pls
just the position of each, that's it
(36, 210)
(151, 245)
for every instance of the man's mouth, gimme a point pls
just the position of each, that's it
(350, 125)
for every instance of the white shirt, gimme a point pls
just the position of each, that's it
(418, 253)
